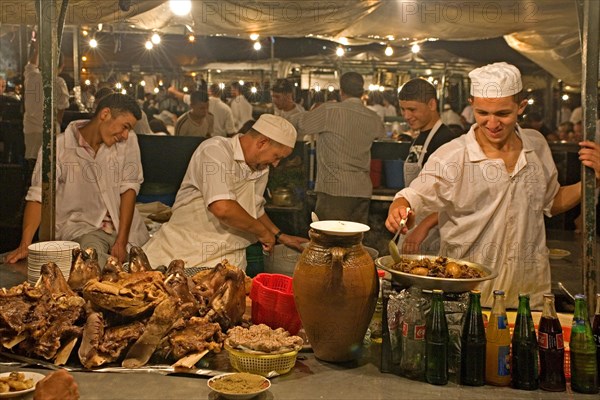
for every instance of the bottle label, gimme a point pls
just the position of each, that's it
(418, 331)
(546, 341)
(501, 322)
(504, 361)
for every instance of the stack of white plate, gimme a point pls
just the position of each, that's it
(58, 252)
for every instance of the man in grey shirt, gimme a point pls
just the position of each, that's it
(344, 134)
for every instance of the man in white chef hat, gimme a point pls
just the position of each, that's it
(492, 188)
(218, 211)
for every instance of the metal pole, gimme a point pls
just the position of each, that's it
(48, 51)
(76, 64)
(590, 60)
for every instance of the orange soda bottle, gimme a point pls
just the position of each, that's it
(497, 333)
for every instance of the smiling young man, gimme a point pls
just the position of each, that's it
(492, 188)
(219, 208)
(99, 174)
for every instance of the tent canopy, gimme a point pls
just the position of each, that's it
(544, 31)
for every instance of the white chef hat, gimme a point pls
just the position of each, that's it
(495, 80)
(276, 128)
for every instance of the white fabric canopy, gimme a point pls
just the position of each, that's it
(544, 31)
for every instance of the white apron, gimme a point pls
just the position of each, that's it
(196, 236)
(431, 244)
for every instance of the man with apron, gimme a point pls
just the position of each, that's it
(419, 107)
(218, 211)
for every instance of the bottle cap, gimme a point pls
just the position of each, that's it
(499, 292)
(380, 273)
(438, 291)
(580, 296)
(548, 296)
(524, 295)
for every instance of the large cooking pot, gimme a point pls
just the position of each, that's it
(449, 285)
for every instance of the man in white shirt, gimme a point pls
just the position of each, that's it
(219, 208)
(240, 107)
(99, 173)
(492, 188)
(224, 125)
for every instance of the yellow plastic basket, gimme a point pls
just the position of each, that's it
(261, 364)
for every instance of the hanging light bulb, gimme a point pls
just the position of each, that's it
(185, 89)
(565, 97)
(124, 91)
(257, 46)
(93, 43)
(254, 36)
(191, 38)
(389, 50)
(340, 51)
(84, 58)
(253, 90)
(241, 82)
(142, 83)
(180, 7)
(415, 48)
(155, 38)
(88, 82)
(149, 45)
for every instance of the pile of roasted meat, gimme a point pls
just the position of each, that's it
(110, 315)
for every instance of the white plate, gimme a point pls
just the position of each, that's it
(340, 228)
(28, 375)
(53, 246)
(238, 396)
(557, 254)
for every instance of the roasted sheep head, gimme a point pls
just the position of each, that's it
(181, 286)
(131, 296)
(84, 267)
(112, 270)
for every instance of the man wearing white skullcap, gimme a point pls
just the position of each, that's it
(219, 208)
(492, 188)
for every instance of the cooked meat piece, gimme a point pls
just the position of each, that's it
(161, 321)
(84, 267)
(138, 261)
(264, 339)
(131, 296)
(197, 335)
(112, 270)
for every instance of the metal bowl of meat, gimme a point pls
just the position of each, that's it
(436, 267)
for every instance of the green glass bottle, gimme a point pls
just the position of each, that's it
(473, 342)
(584, 377)
(436, 342)
(524, 361)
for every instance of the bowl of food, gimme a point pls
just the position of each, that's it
(17, 384)
(558, 254)
(432, 272)
(239, 385)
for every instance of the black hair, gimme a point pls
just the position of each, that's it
(418, 89)
(282, 86)
(198, 96)
(215, 89)
(352, 84)
(119, 103)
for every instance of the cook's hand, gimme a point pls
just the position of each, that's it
(267, 240)
(295, 242)
(589, 154)
(396, 214)
(17, 254)
(119, 250)
(58, 385)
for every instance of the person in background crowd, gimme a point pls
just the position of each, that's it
(492, 188)
(158, 127)
(282, 94)
(197, 121)
(467, 116)
(223, 125)
(419, 107)
(565, 130)
(375, 103)
(94, 210)
(388, 105)
(219, 208)
(576, 115)
(33, 116)
(57, 385)
(451, 119)
(534, 120)
(240, 107)
(344, 134)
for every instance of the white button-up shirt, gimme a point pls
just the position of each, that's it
(223, 124)
(490, 216)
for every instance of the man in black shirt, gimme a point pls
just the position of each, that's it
(419, 107)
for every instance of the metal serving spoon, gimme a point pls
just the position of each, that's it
(393, 247)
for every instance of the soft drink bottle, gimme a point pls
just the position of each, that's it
(436, 339)
(524, 361)
(552, 348)
(596, 333)
(497, 351)
(472, 352)
(412, 363)
(584, 371)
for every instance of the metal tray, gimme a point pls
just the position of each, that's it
(449, 285)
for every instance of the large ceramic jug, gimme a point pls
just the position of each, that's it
(335, 289)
